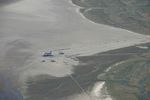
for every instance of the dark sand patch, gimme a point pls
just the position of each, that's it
(6, 2)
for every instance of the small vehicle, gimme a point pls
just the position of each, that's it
(53, 60)
(61, 53)
(48, 54)
(43, 61)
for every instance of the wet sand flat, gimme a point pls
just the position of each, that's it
(29, 28)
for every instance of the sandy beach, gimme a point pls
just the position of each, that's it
(29, 28)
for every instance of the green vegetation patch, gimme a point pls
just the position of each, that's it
(129, 80)
(132, 15)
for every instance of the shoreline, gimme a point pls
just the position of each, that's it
(89, 39)
(94, 22)
(100, 44)
(102, 59)
(78, 11)
(80, 35)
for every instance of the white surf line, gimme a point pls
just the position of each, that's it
(97, 88)
(77, 83)
(89, 9)
(116, 64)
(72, 56)
(142, 47)
(119, 54)
(78, 11)
(98, 91)
(108, 69)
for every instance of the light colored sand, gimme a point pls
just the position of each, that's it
(98, 93)
(30, 27)
(142, 47)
